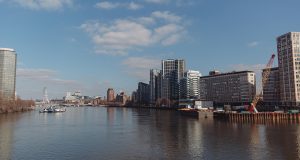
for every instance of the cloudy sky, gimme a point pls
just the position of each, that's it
(70, 45)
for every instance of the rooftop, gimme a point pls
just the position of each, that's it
(228, 73)
(7, 49)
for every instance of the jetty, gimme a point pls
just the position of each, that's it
(258, 117)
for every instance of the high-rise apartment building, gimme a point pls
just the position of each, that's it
(134, 97)
(155, 85)
(110, 95)
(143, 93)
(271, 89)
(235, 88)
(190, 85)
(172, 71)
(288, 49)
(8, 60)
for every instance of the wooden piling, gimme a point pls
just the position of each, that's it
(260, 117)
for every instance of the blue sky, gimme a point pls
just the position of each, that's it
(70, 45)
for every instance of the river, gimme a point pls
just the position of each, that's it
(85, 133)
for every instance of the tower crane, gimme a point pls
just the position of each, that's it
(265, 78)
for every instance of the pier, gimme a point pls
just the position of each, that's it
(258, 117)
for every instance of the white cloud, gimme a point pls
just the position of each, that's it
(44, 75)
(107, 5)
(30, 84)
(139, 66)
(44, 4)
(120, 36)
(35, 73)
(110, 5)
(187, 2)
(166, 16)
(178, 3)
(253, 44)
(171, 40)
(168, 34)
(146, 20)
(158, 1)
(72, 40)
(134, 6)
(141, 62)
(117, 38)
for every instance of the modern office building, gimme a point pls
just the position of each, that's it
(155, 85)
(8, 61)
(288, 49)
(234, 88)
(110, 95)
(190, 85)
(172, 71)
(271, 89)
(143, 93)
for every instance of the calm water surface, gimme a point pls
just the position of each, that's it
(125, 133)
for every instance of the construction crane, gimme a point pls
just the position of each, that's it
(265, 78)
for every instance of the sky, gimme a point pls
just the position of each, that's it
(88, 46)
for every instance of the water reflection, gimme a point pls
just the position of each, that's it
(282, 141)
(168, 135)
(125, 133)
(171, 136)
(110, 115)
(7, 123)
(298, 142)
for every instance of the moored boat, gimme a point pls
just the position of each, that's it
(52, 109)
(59, 109)
(189, 112)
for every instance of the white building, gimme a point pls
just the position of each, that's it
(75, 97)
(204, 105)
(8, 60)
(235, 88)
(288, 49)
(190, 85)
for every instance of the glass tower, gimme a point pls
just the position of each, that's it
(8, 60)
(172, 71)
(155, 85)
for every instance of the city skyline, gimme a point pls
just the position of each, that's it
(91, 46)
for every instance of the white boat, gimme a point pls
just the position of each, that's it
(53, 109)
(44, 110)
(59, 109)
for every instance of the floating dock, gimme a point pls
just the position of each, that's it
(189, 112)
(258, 117)
(200, 114)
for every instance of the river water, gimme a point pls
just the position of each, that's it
(129, 133)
